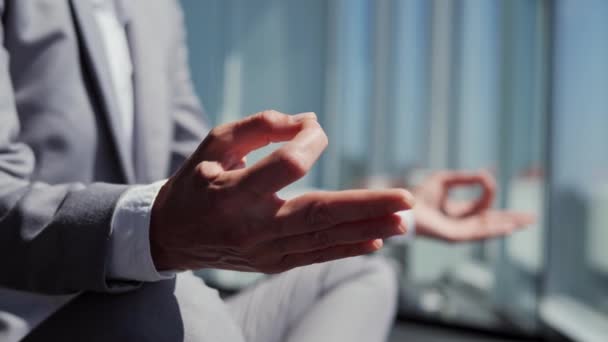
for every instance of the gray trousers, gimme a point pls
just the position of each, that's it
(347, 300)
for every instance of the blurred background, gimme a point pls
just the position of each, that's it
(402, 87)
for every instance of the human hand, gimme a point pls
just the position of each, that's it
(217, 213)
(438, 216)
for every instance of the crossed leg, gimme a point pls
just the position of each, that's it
(346, 300)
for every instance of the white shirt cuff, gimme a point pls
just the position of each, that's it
(407, 216)
(130, 257)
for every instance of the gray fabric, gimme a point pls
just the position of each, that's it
(62, 166)
(351, 300)
(348, 300)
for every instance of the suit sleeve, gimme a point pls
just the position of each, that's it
(190, 120)
(53, 238)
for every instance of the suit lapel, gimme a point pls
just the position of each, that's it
(95, 56)
(153, 124)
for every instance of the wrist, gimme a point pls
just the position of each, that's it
(129, 254)
(421, 215)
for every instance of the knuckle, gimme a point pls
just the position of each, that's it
(322, 136)
(294, 165)
(319, 214)
(489, 179)
(216, 140)
(267, 118)
(316, 126)
(271, 113)
(214, 134)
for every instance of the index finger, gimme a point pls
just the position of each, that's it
(229, 143)
(288, 163)
(321, 210)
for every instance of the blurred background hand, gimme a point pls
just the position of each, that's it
(440, 217)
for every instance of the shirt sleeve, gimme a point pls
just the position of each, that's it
(129, 256)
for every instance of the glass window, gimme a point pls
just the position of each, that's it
(520, 265)
(577, 279)
(405, 87)
(489, 58)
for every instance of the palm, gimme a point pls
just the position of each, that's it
(488, 224)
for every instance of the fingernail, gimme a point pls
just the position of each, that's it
(304, 116)
(378, 243)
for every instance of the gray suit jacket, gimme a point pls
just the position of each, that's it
(62, 164)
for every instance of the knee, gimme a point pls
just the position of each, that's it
(375, 278)
(381, 277)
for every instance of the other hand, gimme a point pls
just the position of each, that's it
(439, 217)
